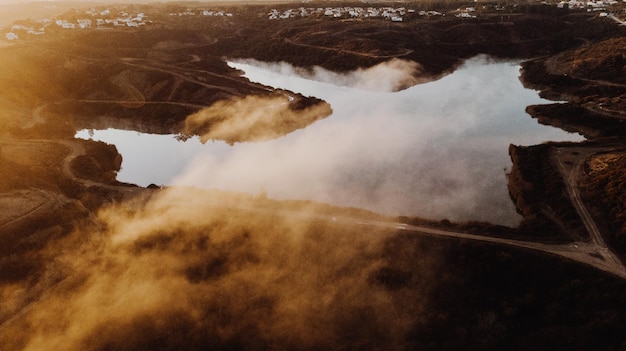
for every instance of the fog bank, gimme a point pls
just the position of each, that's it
(436, 150)
(393, 75)
(187, 270)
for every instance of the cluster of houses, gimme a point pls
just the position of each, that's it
(17, 29)
(600, 5)
(389, 13)
(123, 20)
(92, 18)
(102, 18)
(466, 13)
(208, 13)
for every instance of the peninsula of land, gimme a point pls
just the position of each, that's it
(90, 263)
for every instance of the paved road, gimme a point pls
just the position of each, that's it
(594, 253)
(586, 253)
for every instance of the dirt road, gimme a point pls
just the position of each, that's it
(570, 163)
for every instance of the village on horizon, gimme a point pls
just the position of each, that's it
(119, 16)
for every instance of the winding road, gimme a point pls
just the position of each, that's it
(571, 172)
(357, 53)
(586, 253)
(594, 253)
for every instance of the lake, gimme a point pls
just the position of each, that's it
(436, 150)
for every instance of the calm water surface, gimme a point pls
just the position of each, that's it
(436, 150)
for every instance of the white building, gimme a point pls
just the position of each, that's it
(20, 27)
(84, 23)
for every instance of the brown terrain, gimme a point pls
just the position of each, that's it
(90, 263)
(590, 80)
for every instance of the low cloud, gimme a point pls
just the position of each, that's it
(389, 76)
(198, 269)
(436, 150)
(193, 269)
(252, 118)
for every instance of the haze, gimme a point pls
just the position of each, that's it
(380, 151)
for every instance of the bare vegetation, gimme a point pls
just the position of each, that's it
(87, 263)
(605, 182)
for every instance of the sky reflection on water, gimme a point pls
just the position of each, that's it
(436, 150)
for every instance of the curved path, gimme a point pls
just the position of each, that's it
(594, 253)
(619, 21)
(22, 204)
(571, 172)
(76, 149)
(554, 67)
(357, 53)
(586, 253)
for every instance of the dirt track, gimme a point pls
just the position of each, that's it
(33, 207)
(22, 206)
(569, 162)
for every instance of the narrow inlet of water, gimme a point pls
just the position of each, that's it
(436, 150)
